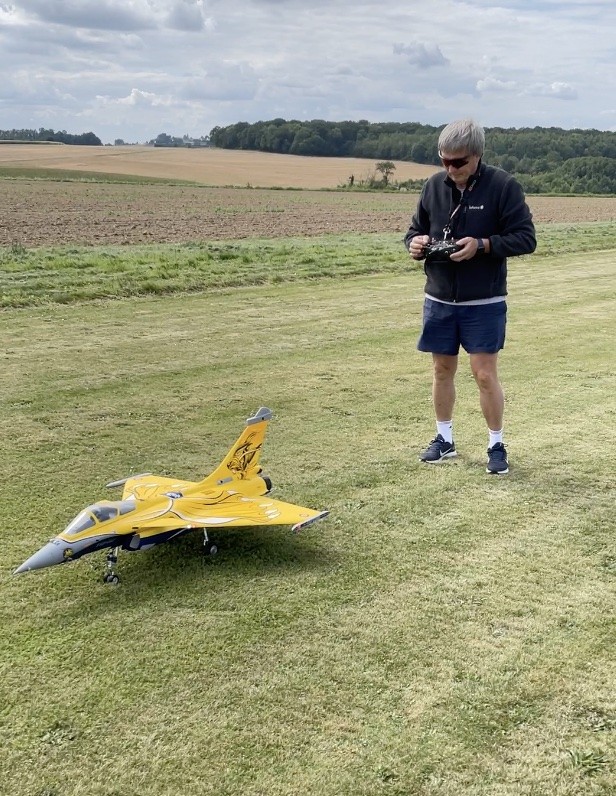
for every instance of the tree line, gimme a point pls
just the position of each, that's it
(58, 136)
(543, 159)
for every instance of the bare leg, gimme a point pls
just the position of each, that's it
(443, 385)
(491, 397)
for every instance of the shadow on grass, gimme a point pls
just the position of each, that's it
(243, 554)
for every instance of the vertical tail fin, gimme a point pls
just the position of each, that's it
(242, 461)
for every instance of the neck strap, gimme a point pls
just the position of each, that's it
(447, 229)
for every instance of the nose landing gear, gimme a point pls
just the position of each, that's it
(111, 576)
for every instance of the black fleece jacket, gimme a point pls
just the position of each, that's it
(494, 208)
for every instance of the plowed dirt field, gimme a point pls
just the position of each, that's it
(40, 213)
(44, 212)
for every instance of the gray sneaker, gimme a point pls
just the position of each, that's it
(438, 450)
(497, 460)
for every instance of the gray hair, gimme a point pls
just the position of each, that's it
(465, 134)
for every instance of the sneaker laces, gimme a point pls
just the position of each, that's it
(436, 443)
(498, 452)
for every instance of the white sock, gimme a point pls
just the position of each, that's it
(445, 429)
(495, 436)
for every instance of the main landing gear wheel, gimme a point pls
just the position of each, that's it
(209, 548)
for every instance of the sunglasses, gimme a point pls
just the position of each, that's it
(457, 163)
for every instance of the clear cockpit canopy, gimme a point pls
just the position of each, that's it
(97, 513)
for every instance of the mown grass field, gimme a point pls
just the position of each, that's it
(443, 633)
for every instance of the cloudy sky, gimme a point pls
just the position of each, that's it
(132, 69)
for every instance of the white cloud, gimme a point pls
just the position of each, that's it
(92, 14)
(422, 55)
(557, 90)
(139, 99)
(493, 84)
(189, 15)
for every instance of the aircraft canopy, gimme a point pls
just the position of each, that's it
(99, 512)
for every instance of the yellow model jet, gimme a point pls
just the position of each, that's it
(155, 509)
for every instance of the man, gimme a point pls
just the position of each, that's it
(483, 211)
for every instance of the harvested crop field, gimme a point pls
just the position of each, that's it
(208, 165)
(40, 213)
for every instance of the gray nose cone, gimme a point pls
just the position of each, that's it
(52, 553)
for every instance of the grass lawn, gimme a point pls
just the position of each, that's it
(442, 633)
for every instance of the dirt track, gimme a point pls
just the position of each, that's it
(40, 213)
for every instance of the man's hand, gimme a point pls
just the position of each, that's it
(416, 246)
(468, 250)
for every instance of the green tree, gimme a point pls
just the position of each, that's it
(386, 168)
(419, 152)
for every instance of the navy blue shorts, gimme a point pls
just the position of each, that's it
(478, 328)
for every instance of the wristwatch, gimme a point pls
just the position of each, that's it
(480, 246)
